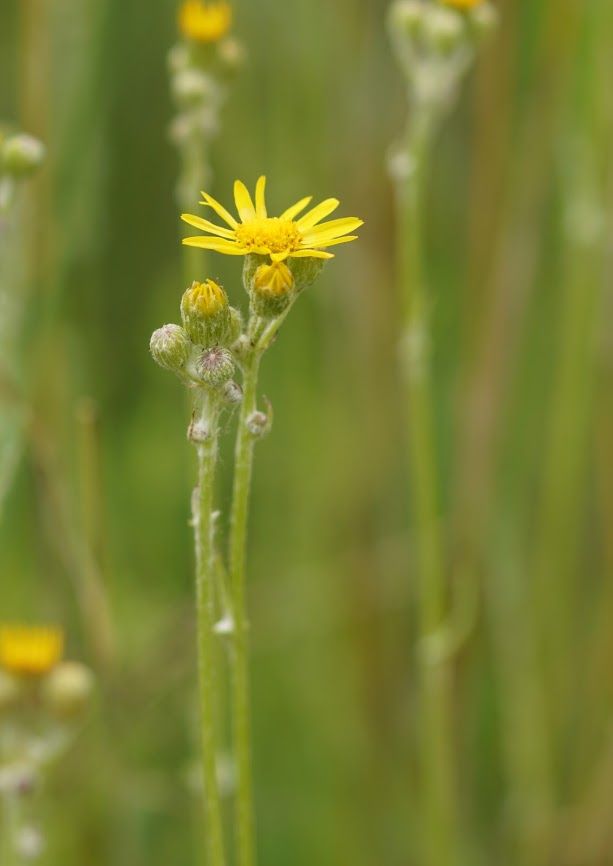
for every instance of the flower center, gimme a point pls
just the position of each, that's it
(271, 235)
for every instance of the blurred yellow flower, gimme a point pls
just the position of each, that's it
(30, 650)
(205, 21)
(463, 4)
(278, 237)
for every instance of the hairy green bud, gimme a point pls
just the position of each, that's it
(170, 347)
(305, 271)
(215, 366)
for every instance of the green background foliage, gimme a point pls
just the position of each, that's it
(522, 363)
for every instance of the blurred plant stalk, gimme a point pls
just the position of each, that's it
(584, 163)
(202, 66)
(20, 158)
(435, 47)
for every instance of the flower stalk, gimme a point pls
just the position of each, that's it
(204, 433)
(282, 257)
(434, 46)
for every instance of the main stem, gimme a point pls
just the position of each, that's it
(245, 819)
(206, 440)
(439, 823)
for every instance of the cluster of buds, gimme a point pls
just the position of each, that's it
(20, 156)
(435, 42)
(202, 64)
(200, 351)
(43, 699)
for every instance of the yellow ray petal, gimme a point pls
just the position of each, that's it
(331, 229)
(295, 209)
(206, 226)
(335, 241)
(219, 209)
(279, 257)
(260, 198)
(244, 204)
(217, 244)
(317, 213)
(311, 254)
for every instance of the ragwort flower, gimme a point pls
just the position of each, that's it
(282, 237)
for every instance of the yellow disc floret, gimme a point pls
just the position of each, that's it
(288, 235)
(271, 235)
(30, 651)
(205, 21)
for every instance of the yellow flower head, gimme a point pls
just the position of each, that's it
(32, 651)
(463, 4)
(205, 21)
(275, 279)
(278, 237)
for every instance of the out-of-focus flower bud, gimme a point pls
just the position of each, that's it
(68, 689)
(406, 17)
(444, 30)
(22, 155)
(484, 19)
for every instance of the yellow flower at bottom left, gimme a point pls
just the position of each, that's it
(30, 650)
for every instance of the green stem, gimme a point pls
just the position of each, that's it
(8, 851)
(439, 848)
(204, 432)
(245, 820)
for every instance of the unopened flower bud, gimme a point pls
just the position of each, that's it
(259, 424)
(305, 271)
(191, 86)
(445, 29)
(206, 314)
(29, 843)
(215, 366)
(406, 17)
(231, 54)
(170, 347)
(21, 155)
(271, 289)
(10, 691)
(68, 689)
